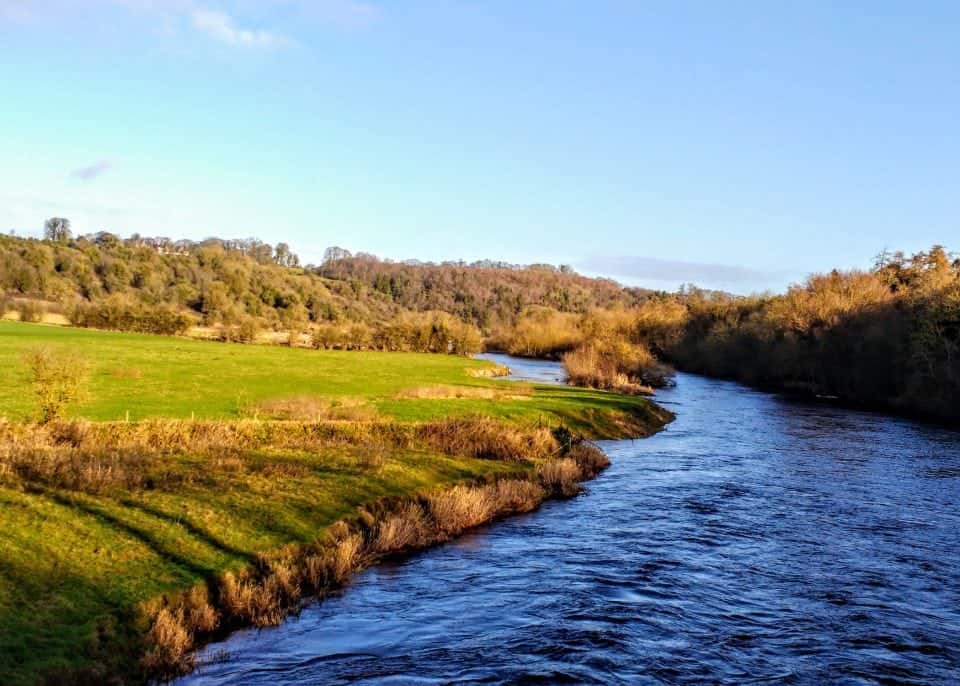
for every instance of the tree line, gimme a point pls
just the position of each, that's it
(888, 336)
(241, 288)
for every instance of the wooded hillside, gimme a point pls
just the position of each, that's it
(888, 337)
(240, 287)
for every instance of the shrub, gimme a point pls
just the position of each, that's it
(31, 311)
(58, 379)
(247, 330)
(541, 332)
(429, 332)
(119, 315)
(357, 336)
(561, 476)
(616, 365)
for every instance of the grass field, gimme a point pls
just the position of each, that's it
(80, 558)
(141, 376)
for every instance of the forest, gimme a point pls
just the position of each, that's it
(886, 337)
(239, 289)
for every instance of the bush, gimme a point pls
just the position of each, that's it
(31, 311)
(248, 330)
(616, 365)
(58, 379)
(119, 315)
(429, 332)
(541, 332)
(342, 337)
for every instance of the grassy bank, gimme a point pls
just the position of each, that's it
(140, 376)
(235, 464)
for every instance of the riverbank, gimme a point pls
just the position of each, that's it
(124, 540)
(277, 584)
(759, 539)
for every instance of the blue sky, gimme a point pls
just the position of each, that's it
(739, 145)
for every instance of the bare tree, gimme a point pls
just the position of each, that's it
(57, 229)
(335, 253)
(285, 257)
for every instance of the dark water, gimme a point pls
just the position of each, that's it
(757, 540)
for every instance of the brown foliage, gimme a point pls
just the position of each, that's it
(539, 332)
(447, 392)
(616, 365)
(887, 337)
(262, 594)
(94, 457)
(313, 408)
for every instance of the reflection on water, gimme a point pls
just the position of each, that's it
(756, 540)
(528, 370)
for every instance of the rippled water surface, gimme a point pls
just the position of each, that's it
(757, 540)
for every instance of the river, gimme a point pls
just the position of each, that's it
(756, 540)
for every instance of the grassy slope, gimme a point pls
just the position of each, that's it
(73, 567)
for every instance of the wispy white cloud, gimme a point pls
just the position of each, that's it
(672, 270)
(226, 21)
(222, 27)
(671, 273)
(92, 171)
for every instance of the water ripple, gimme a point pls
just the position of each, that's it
(757, 540)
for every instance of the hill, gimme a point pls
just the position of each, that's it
(236, 289)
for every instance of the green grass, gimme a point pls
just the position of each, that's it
(141, 376)
(75, 567)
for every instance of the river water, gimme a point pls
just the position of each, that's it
(756, 540)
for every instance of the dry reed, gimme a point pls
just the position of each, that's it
(264, 593)
(447, 392)
(312, 408)
(95, 457)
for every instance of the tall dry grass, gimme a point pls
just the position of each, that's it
(312, 408)
(98, 456)
(449, 392)
(264, 593)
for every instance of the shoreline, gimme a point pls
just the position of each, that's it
(454, 475)
(183, 528)
(389, 529)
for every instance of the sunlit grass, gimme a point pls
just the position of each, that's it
(77, 565)
(137, 376)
